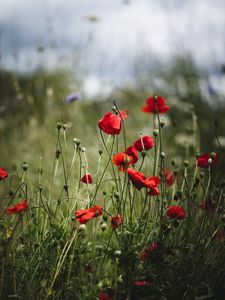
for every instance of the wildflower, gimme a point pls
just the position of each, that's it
(176, 212)
(145, 255)
(116, 221)
(203, 160)
(169, 177)
(103, 296)
(73, 97)
(132, 152)
(111, 123)
(152, 183)
(137, 178)
(84, 215)
(141, 283)
(144, 143)
(3, 174)
(87, 178)
(18, 208)
(122, 161)
(155, 104)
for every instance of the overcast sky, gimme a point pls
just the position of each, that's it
(106, 37)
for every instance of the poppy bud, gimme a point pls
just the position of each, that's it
(116, 195)
(212, 155)
(100, 152)
(40, 187)
(82, 227)
(186, 163)
(117, 253)
(210, 161)
(197, 155)
(156, 132)
(64, 126)
(77, 141)
(73, 218)
(25, 166)
(201, 175)
(162, 123)
(105, 217)
(114, 109)
(57, 154)
(59, 125)
(11, 193)
(173, 162)
(103, 226)
(162, 155)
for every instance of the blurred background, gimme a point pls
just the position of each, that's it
(106, 50)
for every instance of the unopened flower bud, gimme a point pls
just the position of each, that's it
(162, 123)
(82, 227)
(77, 141)
(117, 253)
(100, 152)
(65, 126)
(213, 155)
(173, 162)
(105, 217)
(162, 155)
(103, 226)
(114, 109)
(186, 163)
(210, 161)
(156, 132)
(59, 125)
(57, 154)
(197, 155)
(83, 149)
(25, 166)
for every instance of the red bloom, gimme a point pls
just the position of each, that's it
(137, 178)
(3, 174)
(87, 178)
(132, 152)
(103, 296)
(144, 143)
(176, 212)
(145, 255)
(155, 104)
(111, 123)
(116, 221)
(169, 177)
(152, 183)
(18, 208)
(203, 160)
(84, 215)
(141, 283)
(122, 161)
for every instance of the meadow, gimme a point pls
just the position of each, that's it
(117, 199)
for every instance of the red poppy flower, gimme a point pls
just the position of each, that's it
(111, 123)
(203, 160)
(141, 283)
(137, 178)
(133, 154)
(152, 183)
(145, 255)
(155, 104)
(84, 215)
(116, 221)
(18, 208)
(122, 161)
(176, 212)
(87, 178)
(103, 296)
(3, 174)
(144, 143)
(169, 177)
